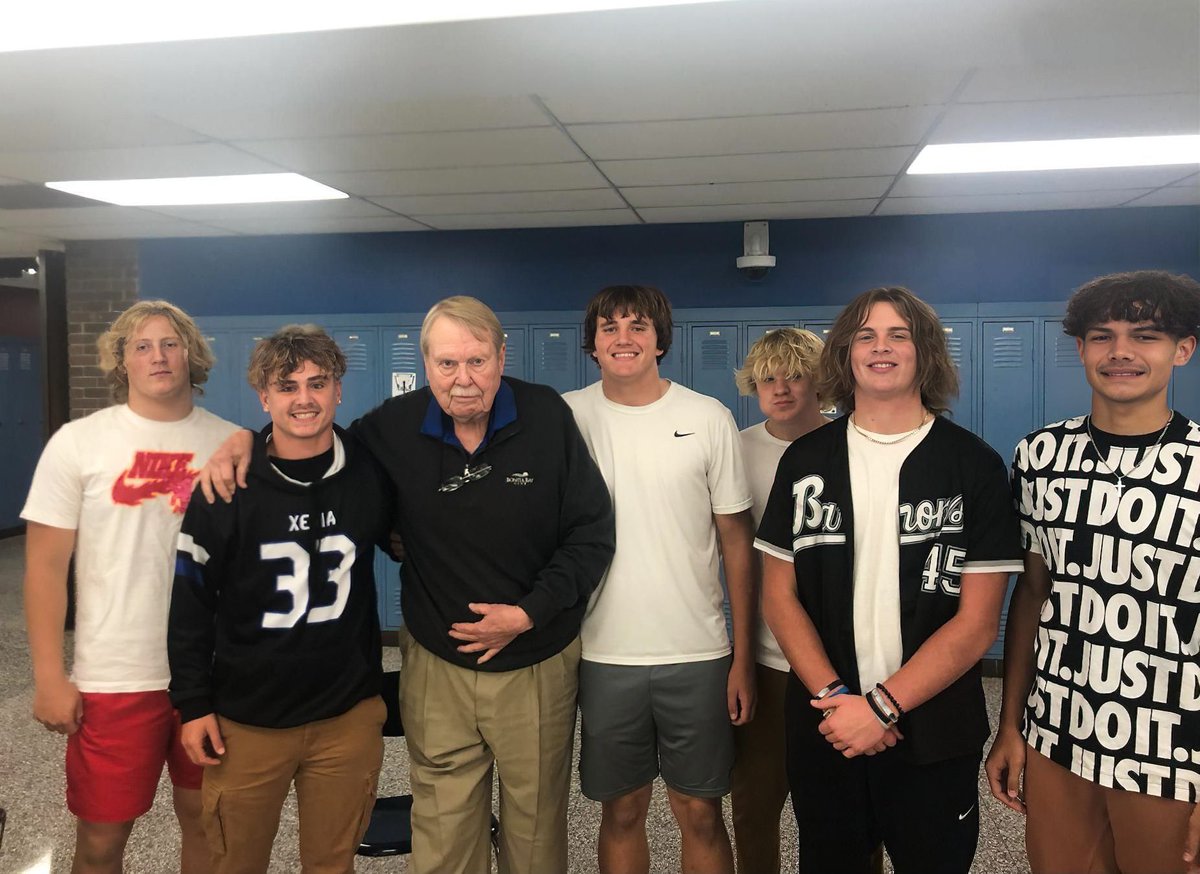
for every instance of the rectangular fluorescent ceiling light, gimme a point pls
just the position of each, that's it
(53, 24)
(1057, 155)
(194, 190)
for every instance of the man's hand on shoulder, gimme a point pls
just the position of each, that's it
(231, 458)
(58, 705)
(500, 625)
(201, 740)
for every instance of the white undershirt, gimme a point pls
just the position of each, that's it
(875, 492)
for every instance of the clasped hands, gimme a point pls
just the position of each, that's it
(852, 726)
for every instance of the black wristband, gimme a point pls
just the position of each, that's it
(884, 689)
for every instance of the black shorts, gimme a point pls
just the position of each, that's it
(926, 816)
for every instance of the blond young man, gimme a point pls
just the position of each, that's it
(888, 539)
(112, 488)
(780, 373)
(1101, 711)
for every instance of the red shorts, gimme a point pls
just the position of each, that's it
(116, 758)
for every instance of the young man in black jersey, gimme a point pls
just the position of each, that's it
(888, 539)
(1101, 707)
(273, 635)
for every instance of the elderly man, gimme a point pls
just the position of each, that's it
(507, 527)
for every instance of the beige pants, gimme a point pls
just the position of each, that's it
(1075, 826)
(463, 724)
(335, 764)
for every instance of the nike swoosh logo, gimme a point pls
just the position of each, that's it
(685, 434)
(964, 815)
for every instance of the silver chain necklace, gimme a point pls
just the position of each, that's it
(1120, 477)
(900, 439)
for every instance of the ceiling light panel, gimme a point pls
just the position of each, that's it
(1057, 154)
(194, 190)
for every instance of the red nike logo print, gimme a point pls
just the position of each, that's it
(153, 474)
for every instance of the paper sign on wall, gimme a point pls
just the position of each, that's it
(403, 382)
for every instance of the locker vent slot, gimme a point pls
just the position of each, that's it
(356, 355)
(714, 353)
(555, 355)
(954, 344)
(404, 355)
(1008, 352)
(1065, 352)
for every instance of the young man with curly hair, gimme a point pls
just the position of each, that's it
(1101, 707)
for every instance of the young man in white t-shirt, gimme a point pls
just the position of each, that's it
(658, 687)
(887, 542)
(780, 372)
(1100, 713)
(112, 489)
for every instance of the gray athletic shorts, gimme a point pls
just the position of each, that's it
(642, 720)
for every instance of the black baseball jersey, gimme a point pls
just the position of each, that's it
(273, 617)
(1116, 693)
(955, 517)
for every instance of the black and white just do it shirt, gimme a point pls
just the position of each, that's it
(1116, 696)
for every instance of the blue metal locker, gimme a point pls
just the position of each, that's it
(226, 378)
(360, 390)
(1066, 392)
(404, 366)
(556, 359)
(250, 413)
(1009, 408)
(387, 592)
(516, 355)
(1185, 388)
(713, 356)
(671, 367)
(960, 340)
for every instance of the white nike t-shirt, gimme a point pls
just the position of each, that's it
(122, 482)
(669, 466)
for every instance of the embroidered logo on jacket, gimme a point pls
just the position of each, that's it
(521, 478)
(153, 474)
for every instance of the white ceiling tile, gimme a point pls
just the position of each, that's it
(1070, 119)
(466, 180)
(1192, 179)
(1107, 78)
(302, 209)
(291, 116)
(1034, 182)
(578, 218)
(343, 225)
(24, 245)
(90, 128)
(762, 133)
(823, 164)
(134, 230)
(758, 211)
(1004, 202)
(416, 151)
(819, 91)
(203, 159)
(85, 216)
(531, 201)
(758, 192)
(1174, 196)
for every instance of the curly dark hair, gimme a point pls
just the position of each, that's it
(283, 353)
(937, 374)
(1170, 301)
(622, 300)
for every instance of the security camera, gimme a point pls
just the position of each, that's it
(755, 263)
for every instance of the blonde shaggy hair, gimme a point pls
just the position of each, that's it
(111, 345)
(794, 351)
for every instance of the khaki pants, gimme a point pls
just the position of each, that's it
(335, 763)
(1075, 826)
(463, 724)
(760, 782)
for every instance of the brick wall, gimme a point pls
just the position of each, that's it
(102, 281)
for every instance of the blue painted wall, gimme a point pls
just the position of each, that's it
(944, 258)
